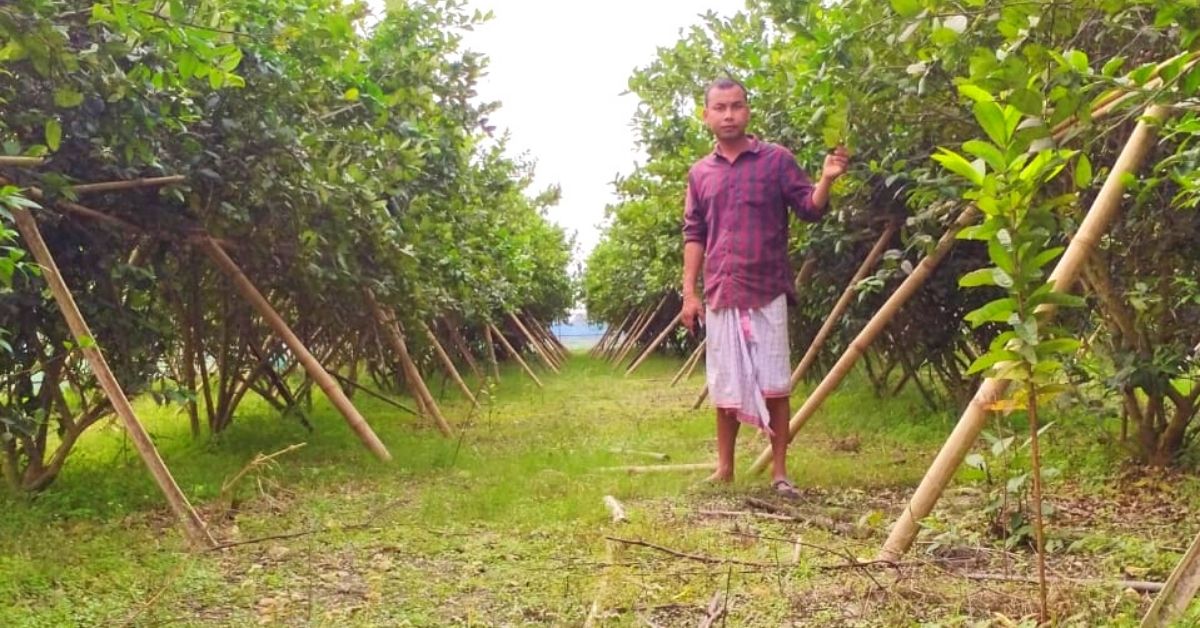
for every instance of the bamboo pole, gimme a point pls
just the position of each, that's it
(654, 345)
(556, 345)
(516, 356)
(843, 304)
(1103, 212)
(193, 526)
(1172, 602)
(633, 340)
(700, 356)
(21, 162)
(448, 364)
(549, 343)
(491, 352)
(462, 348)
(412, 376)
(662, 468)
(314, 369)
(873, 329)
(688, 364)
(611, 334)
(537, 349)
(701, 397)
(112, 186)
(617, 333)
(631, 335)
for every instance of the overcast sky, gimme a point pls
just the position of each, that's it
(559, 67)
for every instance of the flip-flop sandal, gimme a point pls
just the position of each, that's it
(785, 489)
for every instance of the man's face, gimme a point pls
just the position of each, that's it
(727, 113)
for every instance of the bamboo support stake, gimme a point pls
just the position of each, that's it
(461, 346)
(549, 342)
(873, 329)
(701, 397)
(537, 349)
(1100, 216)
(556, 345)
(314, 369)
(193, 526)
(1172, 602)
(448, 364)
(633, 339)
(412, 376)
(690, 363)
(630, 337)
(112, 186)
(843, 304)
(491, 351)
(611, 334)
(516, 356)
(654, 345)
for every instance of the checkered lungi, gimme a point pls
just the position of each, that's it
(748, 360)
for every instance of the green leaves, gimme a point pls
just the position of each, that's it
(991, 117)
(906, 8)
(67, 98)
(957, 164)
(53, 134)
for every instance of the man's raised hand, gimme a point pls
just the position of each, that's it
(836, 163)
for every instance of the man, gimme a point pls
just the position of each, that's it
(736, 228)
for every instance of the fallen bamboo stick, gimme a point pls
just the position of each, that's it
(662, 468)
(616, 509)
(635, 452)
(21, 162)
(128, 184)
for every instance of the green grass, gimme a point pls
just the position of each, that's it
(504, 525)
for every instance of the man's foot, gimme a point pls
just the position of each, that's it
(720, 477)
(785, 489)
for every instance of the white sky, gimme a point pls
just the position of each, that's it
(559, 67)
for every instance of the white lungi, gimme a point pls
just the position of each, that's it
(748, 359)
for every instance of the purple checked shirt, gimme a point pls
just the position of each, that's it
(738, 211)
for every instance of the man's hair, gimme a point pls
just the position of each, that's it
(724, 83)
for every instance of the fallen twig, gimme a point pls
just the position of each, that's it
(1137, 585)
(712, 560)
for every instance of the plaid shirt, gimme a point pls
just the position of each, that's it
(738, 211)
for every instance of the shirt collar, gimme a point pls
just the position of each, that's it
(755, 146)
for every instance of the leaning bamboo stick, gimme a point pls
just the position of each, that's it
(549, 342)
(516, 356)
(629, 337)
(412, 376)
(873, 329)
(1104, 210)
(491, 352)
(318, 374)
(690, 363)
(112, 186)
(448, 364)
(1172, 602)
(843, 304)
(537, 348)
(193, 526)
(633, 340)
(654, 345)
(701, 397)
(618, 331)
(461, 346)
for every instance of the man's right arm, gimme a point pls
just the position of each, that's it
(695, 235)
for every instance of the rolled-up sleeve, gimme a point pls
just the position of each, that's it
(695, 226)
(797, 188)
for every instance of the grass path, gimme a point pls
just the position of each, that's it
(506, 525)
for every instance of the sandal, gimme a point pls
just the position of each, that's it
(785, 489)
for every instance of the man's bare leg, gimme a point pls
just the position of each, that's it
(781, 411)
(727, 431)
